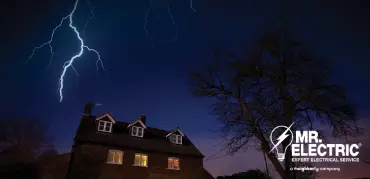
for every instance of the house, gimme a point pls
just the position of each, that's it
(106, 148)
(54, 167)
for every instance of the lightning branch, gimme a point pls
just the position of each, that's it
(69, 63)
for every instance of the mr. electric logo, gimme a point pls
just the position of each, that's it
(307, 147)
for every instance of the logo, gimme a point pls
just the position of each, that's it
(307, 147)
(280, 139)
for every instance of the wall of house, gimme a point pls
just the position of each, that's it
(54, 167)
(90, 161)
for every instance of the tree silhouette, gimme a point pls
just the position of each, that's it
(365, 150)
(255, 174)
(275, 82)
(22, 143)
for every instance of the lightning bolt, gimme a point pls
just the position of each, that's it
(282, 137)
(69, 64)
(169, 12)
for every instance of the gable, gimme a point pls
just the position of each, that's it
(137, 123)
(106, 117)
(176, 131)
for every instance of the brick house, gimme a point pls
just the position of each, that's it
(105, 148)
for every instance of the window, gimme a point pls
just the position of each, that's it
(115, 157)
(173, 163)
(137, 131)
(176, 139)
(141, 160)
(105, 126)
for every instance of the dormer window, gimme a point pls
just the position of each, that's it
(105, 123)
(105, 126)
(137, 131)
(176, 139)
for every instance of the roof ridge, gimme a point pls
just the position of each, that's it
(123, 122)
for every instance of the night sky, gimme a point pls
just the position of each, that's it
(147, 78)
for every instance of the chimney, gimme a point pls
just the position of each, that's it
(143, 118)
(88, 109)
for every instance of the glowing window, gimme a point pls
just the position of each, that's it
(173, 163)
(115, 157)
(141, 160)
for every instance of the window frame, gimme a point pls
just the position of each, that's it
(137, 131)
(175, 138)
(104, 124)
(141, 159)
(114, 157)
(173, 163)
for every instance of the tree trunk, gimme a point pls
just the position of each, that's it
(267, 169)
(288, 158)
(266, 149)
(258, 133)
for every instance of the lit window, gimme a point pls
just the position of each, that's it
(173, 163)
(176, 139)
(141, 160)
(105, 126)
(115, 157)
(137, 131)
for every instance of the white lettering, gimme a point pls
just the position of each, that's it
(312, 150)
(301, 137)
(314, 136)
(321, 154)
(339, 148)
(330, 146)
(354, 154)
(295, 150)
(302, 151)
(307, 144)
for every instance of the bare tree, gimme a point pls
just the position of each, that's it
(22, 142)
(254, 173)
(365, 150)
(275, 82)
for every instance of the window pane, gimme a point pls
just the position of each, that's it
(170, 163)
(176, 164)
(173, 138)
(134, 130)
(144, 160)
(179, 139)
(101, 125)
(118, 157)
(137, 159)
(110, 156)
(140, 132)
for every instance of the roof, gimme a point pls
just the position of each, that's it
(173, 131)
(137, 121)
(206, 174)
(154, 139)
(106, 116)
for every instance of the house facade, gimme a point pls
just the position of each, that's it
(105, 148)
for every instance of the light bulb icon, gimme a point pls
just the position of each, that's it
(280, 139)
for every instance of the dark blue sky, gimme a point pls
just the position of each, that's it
(142, 78)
